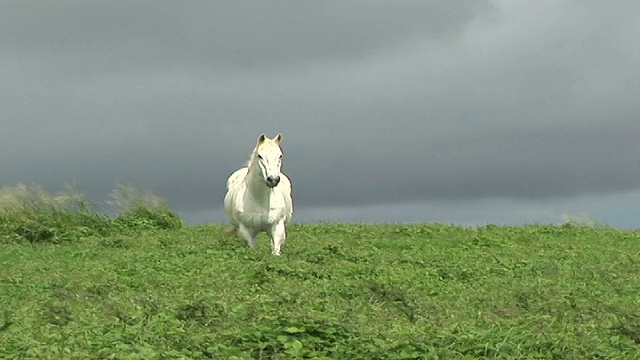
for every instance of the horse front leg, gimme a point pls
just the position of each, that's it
(278, 236)
(248, 235)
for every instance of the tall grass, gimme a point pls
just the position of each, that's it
(142, 209)
(32, 214)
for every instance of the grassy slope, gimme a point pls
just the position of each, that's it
(338, 291)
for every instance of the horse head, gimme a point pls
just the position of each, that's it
(268, 159)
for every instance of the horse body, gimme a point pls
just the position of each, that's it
(259, 196)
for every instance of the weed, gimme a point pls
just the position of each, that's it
(6, 321)
(138, 287)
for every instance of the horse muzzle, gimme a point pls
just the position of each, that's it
(272, 180)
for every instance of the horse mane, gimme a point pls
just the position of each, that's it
(252, 157)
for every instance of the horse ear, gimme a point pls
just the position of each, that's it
(261, 138)
(278, 138)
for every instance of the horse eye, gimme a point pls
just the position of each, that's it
(260, 157)
(280, 156)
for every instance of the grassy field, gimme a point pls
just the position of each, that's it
(86, 287)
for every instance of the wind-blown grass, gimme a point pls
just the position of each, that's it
(32, 214)
(339, 291)
(142, 209)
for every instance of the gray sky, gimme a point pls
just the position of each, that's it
(453, 111)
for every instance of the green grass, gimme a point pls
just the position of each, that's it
(75, 284)
(339, 291)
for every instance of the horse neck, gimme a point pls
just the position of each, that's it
(256, 185)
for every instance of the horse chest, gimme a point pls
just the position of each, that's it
(260, 215)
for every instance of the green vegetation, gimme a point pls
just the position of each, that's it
(78, 285)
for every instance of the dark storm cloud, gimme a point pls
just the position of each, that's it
(98, 36)
(379, 102)
(615, 209)
(531, 165)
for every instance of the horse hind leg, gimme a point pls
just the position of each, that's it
(248, 235)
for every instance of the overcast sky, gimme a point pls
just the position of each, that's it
(466, 112)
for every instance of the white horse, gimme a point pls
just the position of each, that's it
(259, 196)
